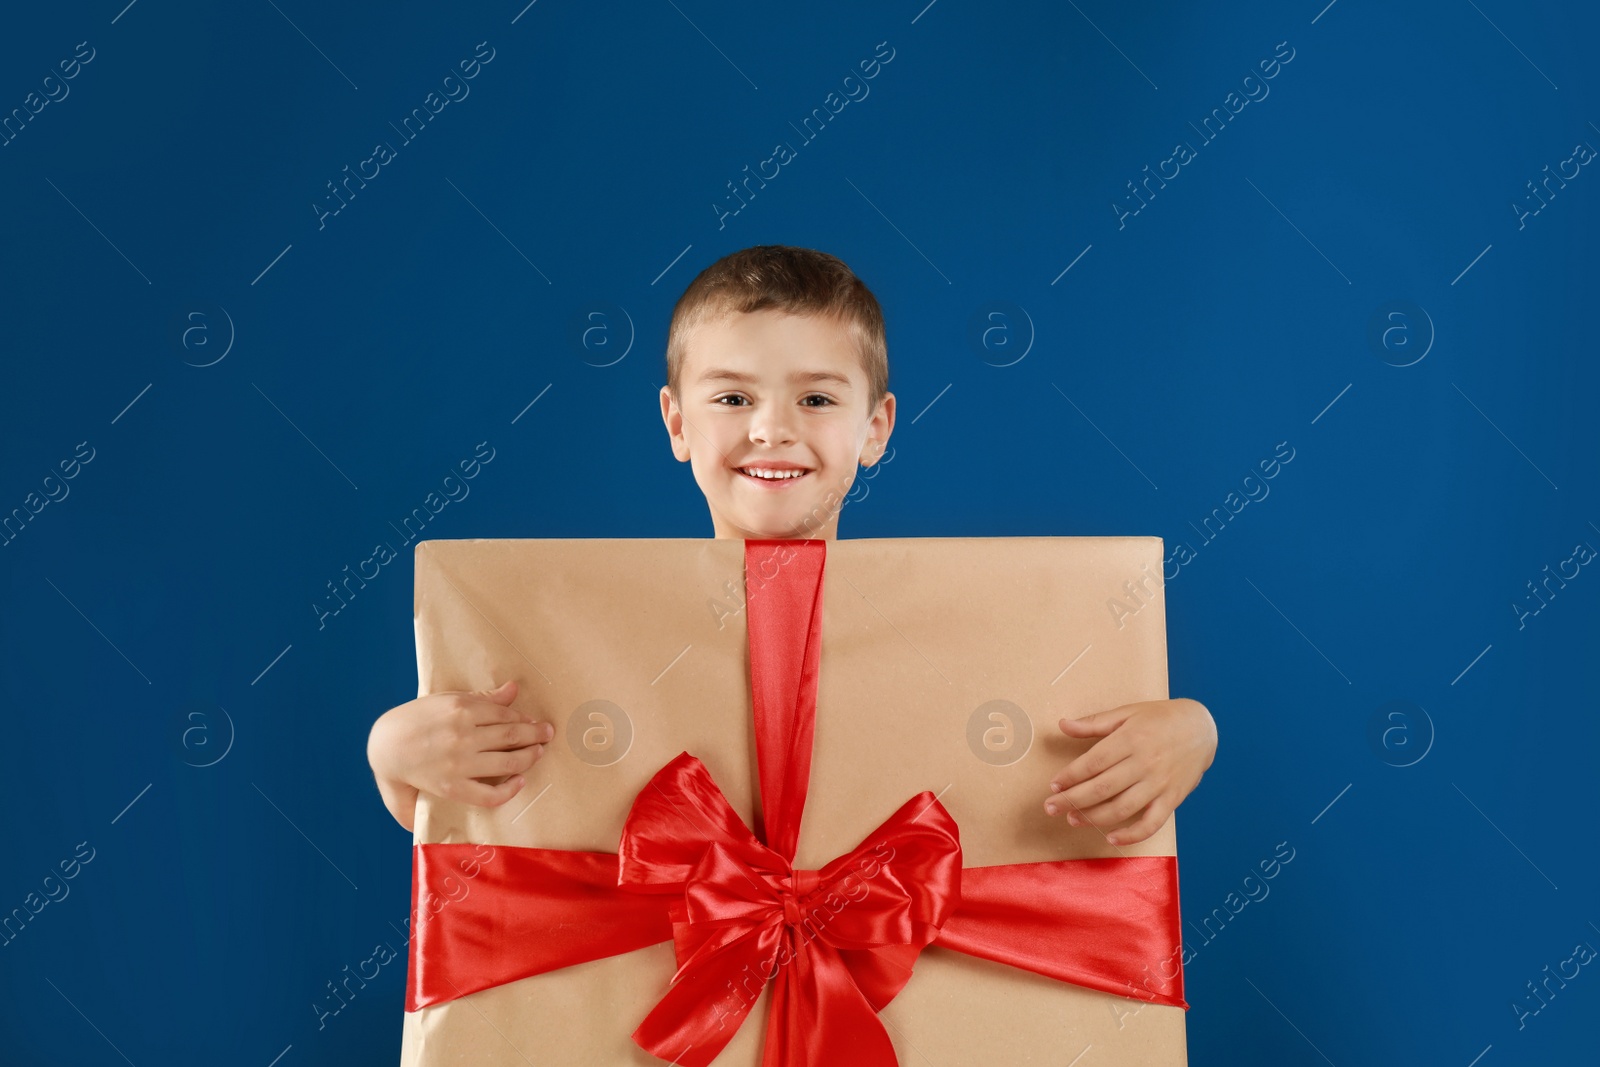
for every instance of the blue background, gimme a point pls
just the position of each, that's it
(264, 395)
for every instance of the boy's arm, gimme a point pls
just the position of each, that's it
(450, 743)
(398, 797)
(1147, 757)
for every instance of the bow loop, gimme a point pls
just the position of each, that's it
(675, 818)
(846, 934)
(898, 887)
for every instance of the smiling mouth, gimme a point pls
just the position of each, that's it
(773, 479)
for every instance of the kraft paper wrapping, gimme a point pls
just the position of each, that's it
(637, 650)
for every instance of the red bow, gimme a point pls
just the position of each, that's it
(838, 943)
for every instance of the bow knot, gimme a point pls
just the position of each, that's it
(793, 894)
(837, 943)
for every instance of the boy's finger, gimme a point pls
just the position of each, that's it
(504, 693)
(1100, 788)
(495, 764)
(1096, 725)
(469, 791)
(503, 736)
(1122, 807)
(1153, 819)
(489, 712)
(1099, 759)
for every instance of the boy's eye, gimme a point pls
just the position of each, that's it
(739, 400)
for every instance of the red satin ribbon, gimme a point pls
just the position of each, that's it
(837, 943)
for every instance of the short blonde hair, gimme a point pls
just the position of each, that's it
(799, 281)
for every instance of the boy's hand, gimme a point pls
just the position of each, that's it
(447, 743)
(1148, 758)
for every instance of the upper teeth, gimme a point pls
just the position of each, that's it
(763, 472)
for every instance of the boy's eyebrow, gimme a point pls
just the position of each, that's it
(722, 374)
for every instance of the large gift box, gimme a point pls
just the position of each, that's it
(793, 812)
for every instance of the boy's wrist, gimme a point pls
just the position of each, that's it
(400, 798)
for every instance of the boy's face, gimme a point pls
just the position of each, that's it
(775, 392)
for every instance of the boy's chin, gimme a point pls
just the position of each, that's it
(787, 524)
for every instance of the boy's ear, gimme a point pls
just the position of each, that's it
(674, 420)
(879, 427)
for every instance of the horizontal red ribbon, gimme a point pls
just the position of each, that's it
(838, 943)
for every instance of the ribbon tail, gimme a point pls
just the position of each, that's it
(707, 1003)
(1110, 924)
(880, 973)
(820, 1018)
(523, 911)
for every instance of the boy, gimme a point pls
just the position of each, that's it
(777, 387)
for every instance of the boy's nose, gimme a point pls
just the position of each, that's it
(772, 427)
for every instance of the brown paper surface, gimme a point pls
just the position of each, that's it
(919, 636)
